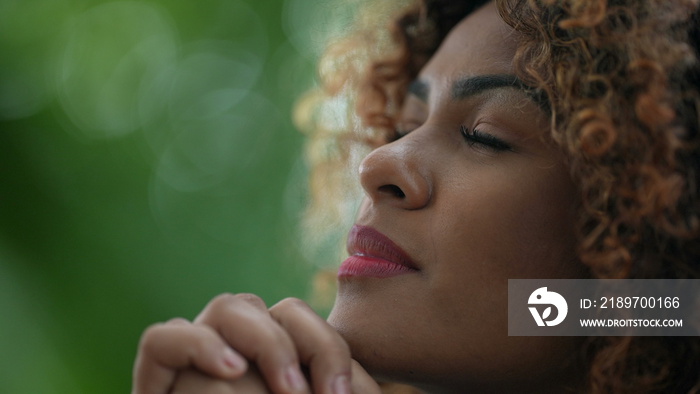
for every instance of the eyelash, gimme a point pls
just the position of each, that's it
(472, 137)
(488, 141)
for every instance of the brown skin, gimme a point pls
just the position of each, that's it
(199, 357)
(471, 218)
(473, 214)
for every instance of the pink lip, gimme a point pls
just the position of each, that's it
(373, 254)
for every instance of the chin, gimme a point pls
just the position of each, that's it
(372, 341)
(394, 350)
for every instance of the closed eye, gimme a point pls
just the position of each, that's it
(485, 140)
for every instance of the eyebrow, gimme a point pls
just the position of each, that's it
(471, 86)
(468, 87)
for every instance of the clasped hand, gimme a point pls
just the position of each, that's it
(238, 345)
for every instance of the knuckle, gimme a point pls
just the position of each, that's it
(178, 321)
(216, 307)
(274, 337)
(156, 336)
(272, 344)
(200, 341)
(252, 299)
(151, 335)
(227, 301)
(289, 303)
(221, 301)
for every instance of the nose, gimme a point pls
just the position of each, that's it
(392, 174)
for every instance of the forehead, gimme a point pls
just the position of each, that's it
(480, 44)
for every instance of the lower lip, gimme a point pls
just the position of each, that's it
(372, 267)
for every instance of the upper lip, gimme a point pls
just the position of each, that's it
(366, 241)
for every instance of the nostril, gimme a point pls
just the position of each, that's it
(393, 190)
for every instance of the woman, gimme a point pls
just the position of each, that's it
(557, 141)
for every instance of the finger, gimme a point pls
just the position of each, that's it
(194, 382)
(362, 382)
(319, 346)
(245, 323)
(167, 347)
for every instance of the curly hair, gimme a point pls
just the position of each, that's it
(622, 78)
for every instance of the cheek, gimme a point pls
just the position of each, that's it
(482, 230)
(511, 226)
(508, 226)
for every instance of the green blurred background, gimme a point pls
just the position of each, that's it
(148, 163)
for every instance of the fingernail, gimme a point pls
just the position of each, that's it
(232, 360)
(295, 380)
(341, 385)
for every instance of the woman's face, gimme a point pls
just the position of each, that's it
(474, 195)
